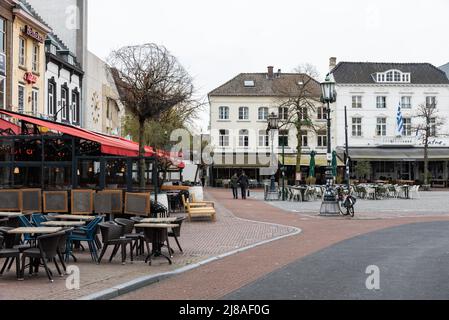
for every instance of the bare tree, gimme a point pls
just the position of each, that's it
(151, 82)
(299, 96)
(427, 128)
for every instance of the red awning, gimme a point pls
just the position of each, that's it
(109, 145)
(5, 125)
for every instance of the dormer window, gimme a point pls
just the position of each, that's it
(249, 83)
(70, 59)
(392, 76)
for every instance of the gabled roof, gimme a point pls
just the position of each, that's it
(280, 85)
(445, 68)
(362, 72)
(25, 6)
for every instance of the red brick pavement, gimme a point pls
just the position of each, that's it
(214, 280)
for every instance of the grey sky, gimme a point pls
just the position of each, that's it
(216, 40)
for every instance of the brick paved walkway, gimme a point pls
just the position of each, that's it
(200, 241)
(215, 280)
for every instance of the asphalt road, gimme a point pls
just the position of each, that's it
(413, 262)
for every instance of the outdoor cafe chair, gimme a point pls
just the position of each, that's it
(38, 219)
(87, 234)
(176, 232)
(112, 235)
(24, 222)
(8, 252)
(414, 192)
(128, 231)
(46, 251)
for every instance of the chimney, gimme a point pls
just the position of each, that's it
(278, 75)
(332, 63)
(270, 72)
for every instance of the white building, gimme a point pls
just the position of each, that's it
(238, 126)
(103, 109)
(372, 93)
(63, 83)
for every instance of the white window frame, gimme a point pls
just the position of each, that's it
(406, 102)
(223, 139)
(21, 108)
(431, 101)
(243, 113)
(381, 127)
(305, 139)
(76, 107)
(407, 127)
(283, 113)
(322, 113)
(357, 102)
(51, 99)
(223, 113)
(3, 91)
(34, 101)
(244, 138)
(35, 59)
(264, 141)
(322, 140)
(22, 51)
(65, 104)
(263, 113)
(381, 102)
(357, 129)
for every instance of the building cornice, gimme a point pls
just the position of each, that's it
(385, 85)
(22, 14)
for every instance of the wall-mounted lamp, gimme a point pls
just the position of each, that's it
(16, 170)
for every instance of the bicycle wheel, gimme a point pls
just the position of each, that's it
(350, 211)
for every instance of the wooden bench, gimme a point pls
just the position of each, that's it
(198, 210)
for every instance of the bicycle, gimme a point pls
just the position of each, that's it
(346, 202)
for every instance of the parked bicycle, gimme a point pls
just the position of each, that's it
(346, 202)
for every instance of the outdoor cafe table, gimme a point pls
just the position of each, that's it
(406, 192)
(158, 234)
(32, 230)
(159, 220)
(74, 217)
(64, 224)
(10, 214)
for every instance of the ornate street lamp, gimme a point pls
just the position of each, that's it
(328, 96)
(273, 125)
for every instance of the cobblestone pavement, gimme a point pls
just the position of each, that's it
(429, 204)
(200, 241)
(217, 279)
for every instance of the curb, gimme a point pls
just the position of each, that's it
(144, 281)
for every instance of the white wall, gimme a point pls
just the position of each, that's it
(253, 125)
(369, 111)
(72, 84)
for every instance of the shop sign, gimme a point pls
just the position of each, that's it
(33, 34)
(30, 78)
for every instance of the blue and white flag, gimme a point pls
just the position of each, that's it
(399, 122)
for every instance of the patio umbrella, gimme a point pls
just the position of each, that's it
(334, 163)
(312, 164)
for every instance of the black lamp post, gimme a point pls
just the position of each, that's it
(328, 96)
(273, 124)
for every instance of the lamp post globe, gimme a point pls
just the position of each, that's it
(328, 96)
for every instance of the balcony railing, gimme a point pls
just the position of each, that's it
(396, 141)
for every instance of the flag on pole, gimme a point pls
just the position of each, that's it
(399, 122)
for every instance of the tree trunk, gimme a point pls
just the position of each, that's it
(298, 151)
(426, 158)
(142, 183)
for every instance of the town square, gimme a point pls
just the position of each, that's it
(212, 151)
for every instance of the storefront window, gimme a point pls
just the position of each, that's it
(2, 35)
(116, 174)
(27, 177)
(89, 174)
(58, 178)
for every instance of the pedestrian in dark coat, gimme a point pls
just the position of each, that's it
(235, 185)
(244, 184)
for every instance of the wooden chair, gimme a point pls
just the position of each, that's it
(192, 205)
(200, 212)
(207, 203)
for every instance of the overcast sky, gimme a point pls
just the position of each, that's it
(215, 40)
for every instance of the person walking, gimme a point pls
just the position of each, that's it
(244, 184)
(235, 185)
